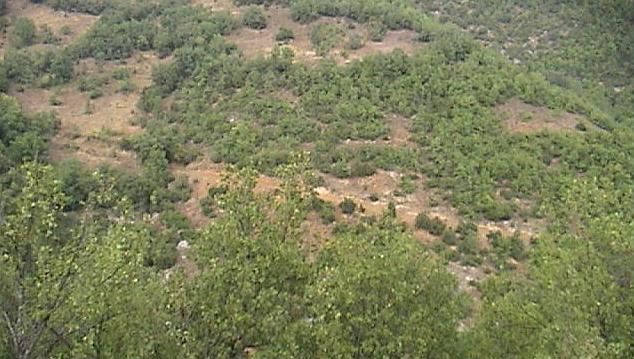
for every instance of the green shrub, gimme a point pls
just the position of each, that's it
(47, 35)
(254, 18)
(376, 31)
(468, 246)
(324, 37)
(348, 206)
(126, 86)
(284, 35)
(23, 33)
(355, 42)
(327, 213)
(434, 226)
(361, 168)
(517, 250)
(66, 30)
(449, 237)
(407, 185)
(497, 211)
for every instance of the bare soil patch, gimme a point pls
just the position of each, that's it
(520, 117)
(373, 195)
(399, 131)
(91, 129)
(254, 43)
(218, 5)
(202, 176)
(44, 15)
(400, 39)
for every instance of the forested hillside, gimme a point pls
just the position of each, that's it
(316, 179)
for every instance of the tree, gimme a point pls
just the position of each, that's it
(252, 273)
(378, 294)
(68, 291)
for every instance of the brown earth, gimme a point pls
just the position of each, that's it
(44, 15)
(520, 117)
(218, 5)
(254, 43)
(91, 129)
(383, 184)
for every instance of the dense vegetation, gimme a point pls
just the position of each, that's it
(88, 256)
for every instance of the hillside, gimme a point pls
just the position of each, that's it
(300, 178)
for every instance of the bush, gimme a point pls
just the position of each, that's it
(449, 237)
(324, 37)
(254, 18)
(355, 42)
(47, 35)
(24, 33)
(361, 168)
(468, 245)
(66, 30)
(407, 185)
(304, 11)
(434, 226)
(496, 211)
(376, 31)
(284, 35)
(348, 206)
(327, 213)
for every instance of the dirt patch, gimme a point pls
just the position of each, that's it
(218, 5)
(202, 176)
(254, 43)
(43, 15)
(372, 194)
(383, 186)
(91, 129)
(399, 131)
(404, 40)
(520, 117)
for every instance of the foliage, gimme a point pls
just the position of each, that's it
(434, 226)
(348, 206)
(23, 33)
(46, 68)
(347, 289)
(324, 37)
(22, 138)
(284, 34)
(68, 292)
(254, 18)
(376, 31)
